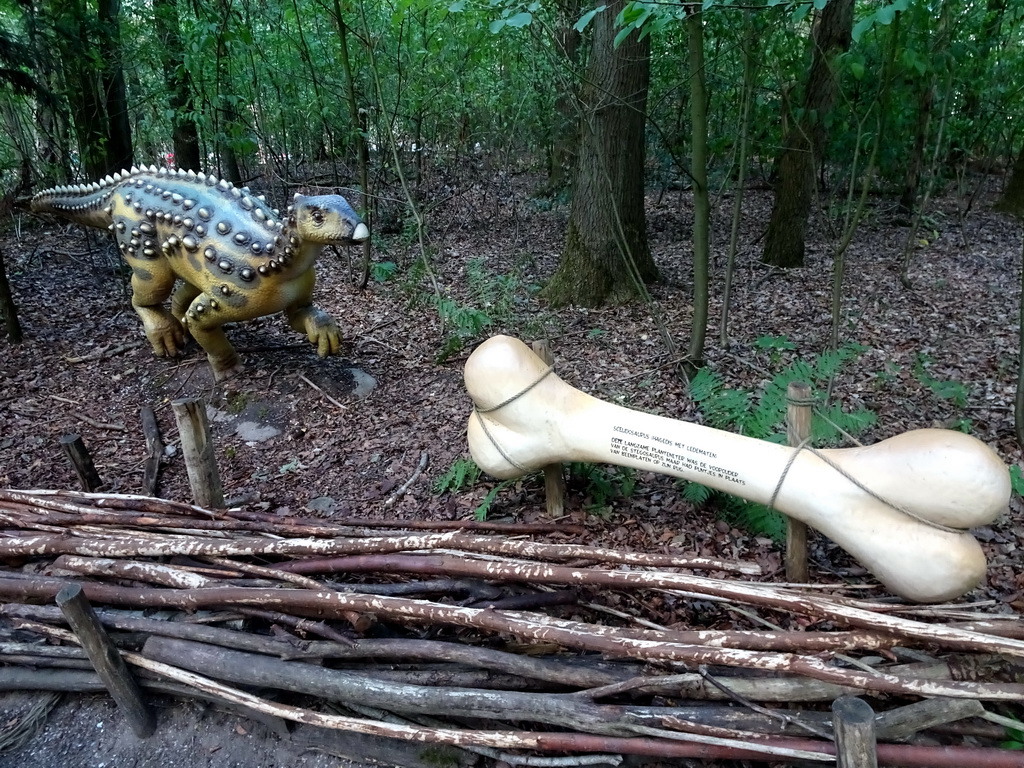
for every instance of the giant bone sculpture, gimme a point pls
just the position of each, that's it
(901, 507)
(236, 259)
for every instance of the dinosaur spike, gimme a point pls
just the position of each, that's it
(236, 193)
(135, 170)
(110, 227)
(153, 169)
(261, 198)
(162, 172)
(223, 185)
(117, 178)
(182, 173)
(297, 196)
(191, 175)
(201, 176)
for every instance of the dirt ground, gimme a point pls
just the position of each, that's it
(350, 433)
(87, 731)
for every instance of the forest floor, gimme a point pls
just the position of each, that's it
(351, 431)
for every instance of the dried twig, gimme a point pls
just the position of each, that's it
(400, 491)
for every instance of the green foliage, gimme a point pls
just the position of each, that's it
(382, 271)
(1014, 739)
(463, 323)
(762, 414)
(493, 299)
(464, 474)
(603, 484)
(954, 391)
(1017, 479)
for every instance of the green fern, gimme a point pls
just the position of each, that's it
(695, 493)
(462, 474)
(762, 414)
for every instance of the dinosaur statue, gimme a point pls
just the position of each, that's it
(235, 257)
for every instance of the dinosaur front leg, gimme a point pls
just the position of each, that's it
(150, 287)
(204, 319)
(319, 327)
(182, 299)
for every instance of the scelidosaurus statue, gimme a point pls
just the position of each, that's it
(235, 257)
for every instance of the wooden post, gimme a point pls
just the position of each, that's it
(853, 721)
(74, 448)
(554, 477)
(798, 429)
(155, 446)
(7, 308)
(197, 448)
(106, 660)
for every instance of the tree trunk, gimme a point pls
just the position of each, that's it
(701, 203)
(564, 131)
(750, 45)
(184, 132)
(605, 256)
(912, 179)
(362, 147)
(76, 51)
(804, 142)
(1012, 200)
(114, 93)
(8, 311)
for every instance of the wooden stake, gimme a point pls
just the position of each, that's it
(554, 477)
(7, 309)
(197, 448)
(798, 429)
(106, 660)
(155, 446)
(854, 723)
(74, 448)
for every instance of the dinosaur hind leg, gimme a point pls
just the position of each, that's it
(151, 285)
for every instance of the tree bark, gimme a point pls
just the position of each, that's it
(184, 131)
(563, 142)
(804, 141)
(606, 256)
(701, 202)
(75, 46)
(114, 92)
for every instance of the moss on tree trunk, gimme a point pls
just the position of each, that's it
(605, 257)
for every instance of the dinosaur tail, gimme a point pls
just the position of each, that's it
(85, 204)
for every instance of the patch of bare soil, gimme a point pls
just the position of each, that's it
(89, 732)
(346, 454)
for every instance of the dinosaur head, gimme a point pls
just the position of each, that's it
(327, 219)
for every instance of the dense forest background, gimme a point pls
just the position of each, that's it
(833, 104)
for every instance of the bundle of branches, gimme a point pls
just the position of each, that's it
(487, 637)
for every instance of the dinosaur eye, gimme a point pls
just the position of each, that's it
(317, 215)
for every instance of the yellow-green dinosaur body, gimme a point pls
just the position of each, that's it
(235, 257)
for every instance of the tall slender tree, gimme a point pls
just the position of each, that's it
(605, 256)
(89, 50)
(180, 97)
(804, 140)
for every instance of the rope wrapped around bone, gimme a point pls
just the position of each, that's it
(901, 507)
